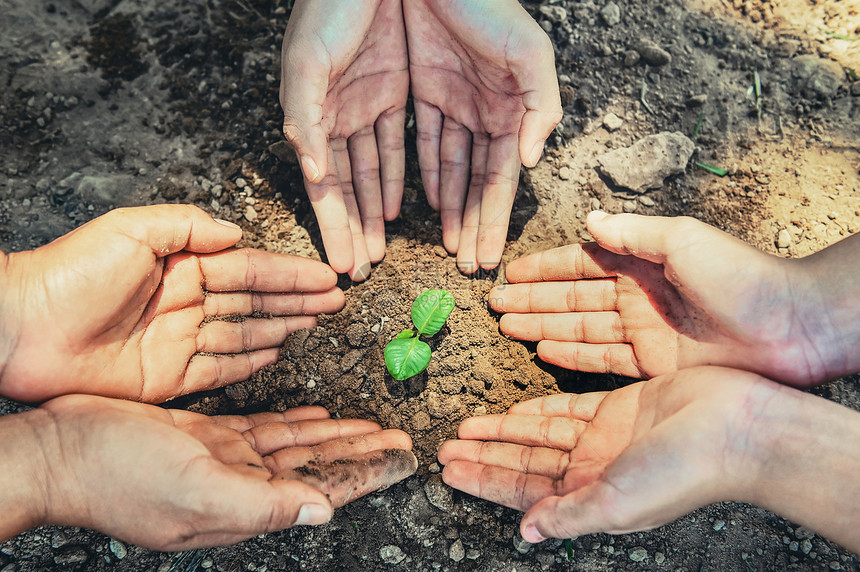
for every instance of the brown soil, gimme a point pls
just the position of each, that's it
(177, 102)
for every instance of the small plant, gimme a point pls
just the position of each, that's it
(407, 355)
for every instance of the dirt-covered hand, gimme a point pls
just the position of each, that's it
(175, 480)
(344, 85)
(631, 459)
(486, 97)
(656, 294)
(123, 307)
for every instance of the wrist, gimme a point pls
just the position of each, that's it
(7, 330)
(25, 441)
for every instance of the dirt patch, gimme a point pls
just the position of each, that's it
(136, 102)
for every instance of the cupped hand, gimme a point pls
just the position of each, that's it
(344, 85)
(628, 460)
(175, 480)
(486, 97)
(655, 295)
(124, 306)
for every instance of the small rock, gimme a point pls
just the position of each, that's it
(241, 183)
(646, 201)
(835, 565)
(457, 552)
(805, 546)
(284, 152)
(794, 546)
(719, 525)
(71, 556)
(564, 173)
(311, 384)
(349, 360)
(555, 14)
(638, 554)
(612, 122)
(250, 214)
(355, 334)
(647, 162)
(67, 184)
(819, 77)
(118, 548)
(629, 206)
(434, 468)
(207, 563)
(594, 204)
(473, 554)
(480, 410)
(440, 251)
(653, 55)
(698, 100)
(421, 421)
(439, 494)
(631, 58)
(520, 544)
(659, 558)
(783, 239)
(611, 14)
(802, 533)
(391, 554)
(60, 539)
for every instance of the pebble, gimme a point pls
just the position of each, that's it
(631, 58)
(659, 558)
(647, 201)
(479, 410)
(434, 468)
(806, 546)
(638, 554)
(611, 14)
(783, 239)
(250, 214)
(653, 55)
(520, 544)
(564, 173)
(118, 548)
(71, 556)
(629, 206)
(719, 525)
(355, 333)
(457, 552)
(647, 162)
(612, 122)
(439, 494)
(698, 100)
(440, 251)
(594, 204)
(391, 554)
(311, 384)
(349, 360)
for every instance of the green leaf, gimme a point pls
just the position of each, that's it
(404, 335)
(430, 310)
(715, 170)
(406, 357)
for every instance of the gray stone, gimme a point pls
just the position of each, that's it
(284, 152)
(805, 546)
(564, 173)
(391, 554)
(611, 14)
(71, 556)
(783, 239)
(439, 494)
(638, 554)
(250, 214)
(646, 201)
(457, 552)
(355, 334)
(102, 190)
(520, 544)
(819, 77)
(647, 162)
(653, 55)
(118, 548)
(612, 122)
(67, 184)
(348, 361)
(555, 14)
(629, 206)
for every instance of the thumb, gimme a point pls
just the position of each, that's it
(647, 237)
(581, 512)
(292, 503)
(170, 228)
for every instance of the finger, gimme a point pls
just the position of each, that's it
(456, 143)
(581, 406)
(392, 159)
(530, 460)
(571, 262)
(589, 327)
(506, 487)
(361, 259)
(348, 479)
(277, 304)
(533, 430)
(333, 218)
(270, 437)
(428, 119)
(244, 422)
(500, 188)
(260, 271)
(541, 99)
(208, 372)
(221, 337)
(364, 159)
(596, 358)
(330, 451)
(549, 297)
(467, 250)
(647, 237)
(166, 229)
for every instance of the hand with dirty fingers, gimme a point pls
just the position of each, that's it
(128, 306)
(643, 455)
(174, 480)
(657, 294)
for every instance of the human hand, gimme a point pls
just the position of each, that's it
(115, 307)
(486, 97)
(174, 480)
(621, 461)
(655, 295)
(344, 85)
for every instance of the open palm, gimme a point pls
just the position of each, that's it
(486, 97)
(630, 459)
(344, 86)
(123, 307)
(656, 295)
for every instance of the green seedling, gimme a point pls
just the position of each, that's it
(836, 36)
(568, 547)
(699, 123)
(714, 170)
(407, 355)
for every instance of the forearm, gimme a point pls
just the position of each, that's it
(7, 342)
(809, 461)
(24, 491)
(830, 307)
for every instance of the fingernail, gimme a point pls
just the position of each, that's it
(227, 223)
(310, 168)
(531, 534)
(537, 150)
(311, 514)
(596, 216)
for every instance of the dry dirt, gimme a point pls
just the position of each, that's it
(107, 103)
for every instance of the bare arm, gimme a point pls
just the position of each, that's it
(22, 496)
